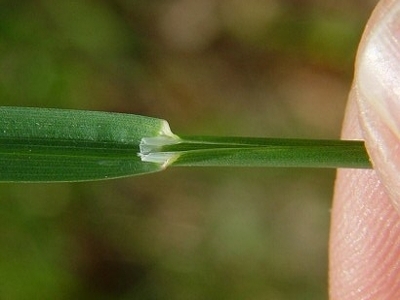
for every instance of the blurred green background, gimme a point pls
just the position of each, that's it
(279, 68)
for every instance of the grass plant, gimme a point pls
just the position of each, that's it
(61, 145)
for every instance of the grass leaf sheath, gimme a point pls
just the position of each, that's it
(53, 145)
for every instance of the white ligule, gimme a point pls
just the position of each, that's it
(150, 147)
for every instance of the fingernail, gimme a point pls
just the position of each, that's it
(378, 77)
(377, 84)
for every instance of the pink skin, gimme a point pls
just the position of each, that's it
(365, 230)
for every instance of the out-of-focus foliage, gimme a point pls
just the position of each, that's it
(230, 67)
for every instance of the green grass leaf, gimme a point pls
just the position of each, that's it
(40, 145)
(53, 145)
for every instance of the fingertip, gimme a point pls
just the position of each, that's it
(365, 226)
(365, 230)
(377, 86)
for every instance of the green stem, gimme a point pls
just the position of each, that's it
(265, 152)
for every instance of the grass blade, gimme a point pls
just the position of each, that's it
(49, 145)
(42, 145)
